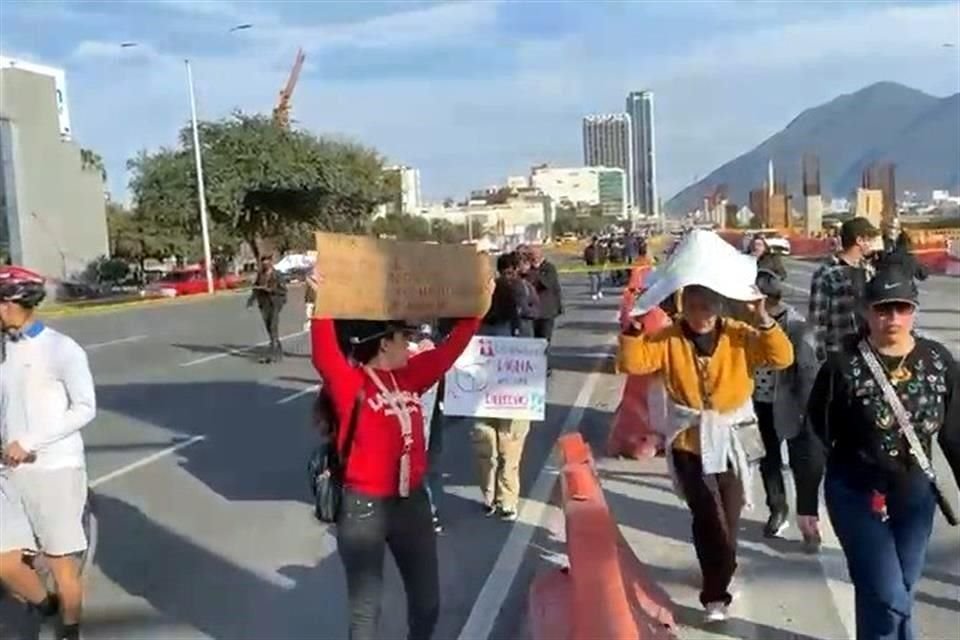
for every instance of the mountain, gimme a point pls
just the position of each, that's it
(885, 121)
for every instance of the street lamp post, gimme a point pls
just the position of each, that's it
(201, 194)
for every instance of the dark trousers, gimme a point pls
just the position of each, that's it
(885, 559)
(806, 463)
(543, 328)
(368, 525)
(716, 502)
(434, 479)
(270, 312)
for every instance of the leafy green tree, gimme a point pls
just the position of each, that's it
(402, 227)
(92, 161)
(448, 232)
(262, 182)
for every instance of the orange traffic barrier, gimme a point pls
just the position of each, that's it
(605, 592)
(631, 433)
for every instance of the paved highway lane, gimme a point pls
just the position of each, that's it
(198, 457)
(198, 461)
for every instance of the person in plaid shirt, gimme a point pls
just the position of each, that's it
(837, 286)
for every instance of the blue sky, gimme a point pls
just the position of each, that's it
(471, 92)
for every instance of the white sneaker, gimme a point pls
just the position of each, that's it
(600, 294)
(715, 612)
(594, 297)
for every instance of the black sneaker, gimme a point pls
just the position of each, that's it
(777, 523)
(491, 509)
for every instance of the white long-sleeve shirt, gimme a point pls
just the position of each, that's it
(46, 397)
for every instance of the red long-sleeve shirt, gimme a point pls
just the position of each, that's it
(373, 467)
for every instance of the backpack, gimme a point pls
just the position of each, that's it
(326, 466)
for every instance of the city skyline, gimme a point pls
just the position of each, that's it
(607, 140)
(477, 90)
(639, 106)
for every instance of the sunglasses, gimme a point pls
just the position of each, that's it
(897, 307)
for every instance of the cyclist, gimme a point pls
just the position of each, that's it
(46, 397)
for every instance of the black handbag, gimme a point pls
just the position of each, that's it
(326, 469)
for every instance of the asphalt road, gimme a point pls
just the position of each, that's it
(198, 462)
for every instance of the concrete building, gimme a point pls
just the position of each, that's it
(870, 205)
(607, 143)
(408, 200)
(589, 186)
(518, 182)
(812, 197)
(512, 218)
(644, 151)
(52, 208)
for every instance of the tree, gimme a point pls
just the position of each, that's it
(402, 227)
(91, 161)
(448, 232)
(261, 182)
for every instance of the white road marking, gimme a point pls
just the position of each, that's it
(236, 352)
(532, 512)
(97, 345)
(133, 466)
(834, 566)
(299, 394)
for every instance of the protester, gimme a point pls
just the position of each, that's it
(527, 299)
(877, 404)
(270, 294)
(546, 281)
(503, 318)
(901, 254)
(46, 397)
(780, 400)
(891, 235)
(766, 258)
(708, 362)
(590, 258)
(385, 503)
(837, 287)
(498, 443)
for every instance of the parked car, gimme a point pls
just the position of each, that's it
(185, 282)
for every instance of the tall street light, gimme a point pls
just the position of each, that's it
(201, 192)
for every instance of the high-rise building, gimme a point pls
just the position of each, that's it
(606, 143)
(643, 149)
(408, 199)
(52, 208)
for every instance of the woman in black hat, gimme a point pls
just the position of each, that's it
(375, 394)
(878, 405)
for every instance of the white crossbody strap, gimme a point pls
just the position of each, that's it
(406, 427)
(916, 448)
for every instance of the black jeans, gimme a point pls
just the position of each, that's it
(365, 527)
(270, 312)
(716, 502)
(806, 462)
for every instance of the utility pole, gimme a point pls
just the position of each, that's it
(201, 194)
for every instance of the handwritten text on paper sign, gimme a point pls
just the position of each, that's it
(499, 377)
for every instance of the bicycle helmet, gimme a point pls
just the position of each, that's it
(22, 286)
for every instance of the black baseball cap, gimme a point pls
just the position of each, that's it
(367, 330)
(769, 283)
(892, 284)
(858, 227)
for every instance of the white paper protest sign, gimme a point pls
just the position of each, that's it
(499, 378)
(703, 258)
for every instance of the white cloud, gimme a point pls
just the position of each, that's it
(436, 25)
(728, 91)
(99, 49)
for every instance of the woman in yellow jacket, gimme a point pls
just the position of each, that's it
(707, 362)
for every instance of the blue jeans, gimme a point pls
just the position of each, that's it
(885, 559)
(595, 277)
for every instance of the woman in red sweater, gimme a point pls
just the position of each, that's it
(385, 502)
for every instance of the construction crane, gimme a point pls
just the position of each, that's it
(281, 113)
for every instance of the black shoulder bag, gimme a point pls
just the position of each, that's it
(906, 428)
(327, 467)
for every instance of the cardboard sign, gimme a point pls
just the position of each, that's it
(372, 279)
(499, 378)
